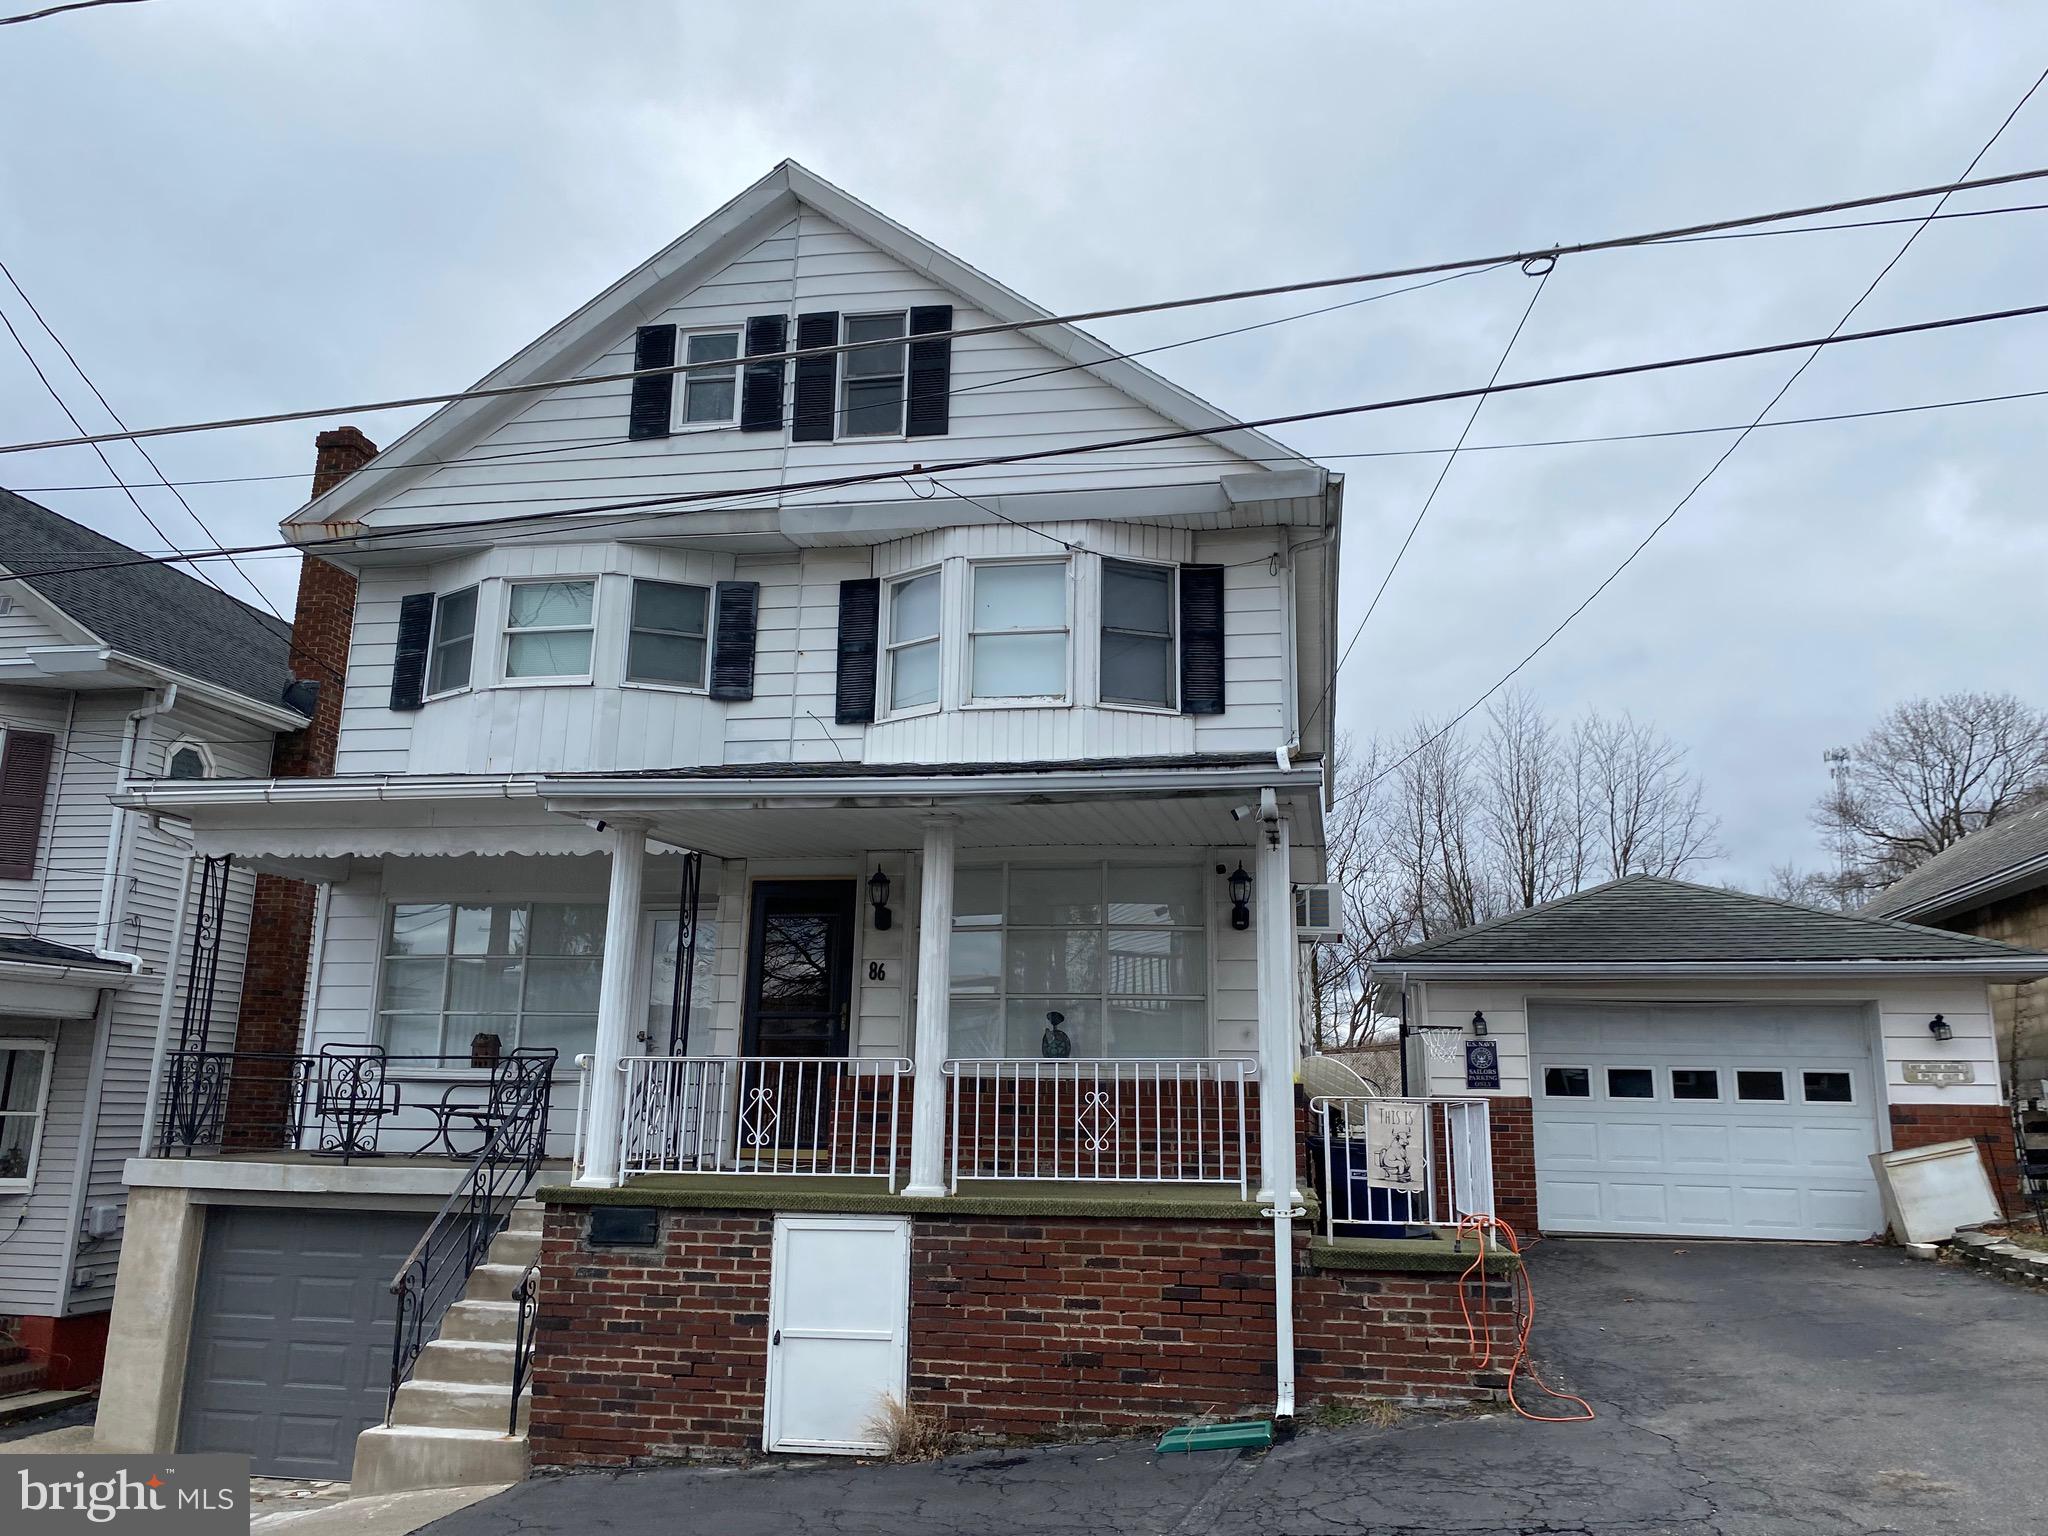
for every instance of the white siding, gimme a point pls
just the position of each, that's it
(32, 1259)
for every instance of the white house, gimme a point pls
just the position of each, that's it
(118, 671)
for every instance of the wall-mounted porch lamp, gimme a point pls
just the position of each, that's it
(1240, 899)
(1479, 1023)
(1940, 1028)
(878, 898)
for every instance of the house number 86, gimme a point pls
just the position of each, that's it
(877, 971)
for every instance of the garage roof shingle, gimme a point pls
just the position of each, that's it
(1644, 919)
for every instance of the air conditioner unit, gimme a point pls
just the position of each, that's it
(1318, 914)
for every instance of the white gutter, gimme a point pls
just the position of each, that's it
(998, 785)
(2009, 881)
(180, 796)
(117, 840)
(74, 975)
(2016, 967)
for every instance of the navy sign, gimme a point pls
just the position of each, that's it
(1482, 1064)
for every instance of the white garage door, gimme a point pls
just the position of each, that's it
(1704, 1120)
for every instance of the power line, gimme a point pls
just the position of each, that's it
(1665, 521)
(59, 10)
(358, 541)
(1478, 405)
(485, 392)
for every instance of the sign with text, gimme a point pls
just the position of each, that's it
(59, 1495)
(1482, 1064)
(1939, 1074)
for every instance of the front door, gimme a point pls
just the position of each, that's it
(838, 1332)
(800, 968)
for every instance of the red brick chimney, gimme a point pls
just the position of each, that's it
(281, 919)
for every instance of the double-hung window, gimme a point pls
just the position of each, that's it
(526, 972)
(548, 628)
(24, 1093)
(874, 378)
(1137, 634)
(1119, 950)
(668, 639)
(454, 648)
(913, 644)
(1017, 642)
(711, 396)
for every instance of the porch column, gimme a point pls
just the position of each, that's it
(934, 945)
(616, 987)
(1273, 889)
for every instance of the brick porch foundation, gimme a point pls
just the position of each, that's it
(1019, 1327)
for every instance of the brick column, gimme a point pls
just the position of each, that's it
(281, 919)
(1514, 1164)
(1989, 1125)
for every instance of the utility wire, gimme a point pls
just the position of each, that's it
(59, 10)
(484, 392)
(372, 536)
(1665, 521)
(1443, 472)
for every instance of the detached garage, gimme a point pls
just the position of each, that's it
(1669, 1059)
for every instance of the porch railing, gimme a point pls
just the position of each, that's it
(795, 1115)
(1385, 1165)
(1110, 1121)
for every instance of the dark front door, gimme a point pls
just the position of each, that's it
(800, 968)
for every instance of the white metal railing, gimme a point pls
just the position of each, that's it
(1388, 1164)
(1089, 1120)
(800, 1115)
(582, 1102)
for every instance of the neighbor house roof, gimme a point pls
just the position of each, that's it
(1646, 921)
(152, 612)
(2003, 859)
(27, 949)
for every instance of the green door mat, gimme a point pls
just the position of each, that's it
(1250, 1434)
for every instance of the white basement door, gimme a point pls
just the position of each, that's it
(1704, 1120)
(838, 1331)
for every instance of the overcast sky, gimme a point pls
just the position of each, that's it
(228, 208)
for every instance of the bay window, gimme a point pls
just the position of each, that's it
(526, 972)
(1137, 634)
(24, 1094)
(912, 649)
(1017, 639)
(548, 628)
(1120, 950)
(667, 639)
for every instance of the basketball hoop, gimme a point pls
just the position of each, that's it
(1442, 1041)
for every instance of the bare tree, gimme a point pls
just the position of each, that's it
(1644, 809)
(1526, 815)
(1931, 772)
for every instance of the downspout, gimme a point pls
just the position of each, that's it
(88, 1133)
(117, 839)
(167, 1004)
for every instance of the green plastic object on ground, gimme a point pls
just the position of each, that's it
(1250, 1434)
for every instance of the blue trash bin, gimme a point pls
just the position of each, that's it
(1357, 1209)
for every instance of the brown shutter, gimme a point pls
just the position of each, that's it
(24, 786)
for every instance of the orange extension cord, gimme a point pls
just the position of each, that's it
(1483, 1228)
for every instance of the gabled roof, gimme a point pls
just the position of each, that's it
(2004, 859)
(709, 245)
(1644, 920)
(154, 613)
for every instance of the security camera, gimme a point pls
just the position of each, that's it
(1243, 812)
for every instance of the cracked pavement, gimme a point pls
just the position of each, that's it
(1744, 1389)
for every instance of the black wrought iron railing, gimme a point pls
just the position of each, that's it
(435, 1273)
(526, 1296)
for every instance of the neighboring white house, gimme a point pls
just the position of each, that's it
(135, 672)
(960, 749)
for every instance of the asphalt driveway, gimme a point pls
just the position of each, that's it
(1743, 1390)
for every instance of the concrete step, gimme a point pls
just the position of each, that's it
(457, 1405)
(519, 1248)
(493, 1282)
(477, 1362)
(488, 1322)
(526, 1217)
(398, 1459)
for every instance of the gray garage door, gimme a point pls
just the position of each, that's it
(291, 1336)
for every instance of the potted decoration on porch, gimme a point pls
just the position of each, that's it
(484, 1049)
(1055, 1044)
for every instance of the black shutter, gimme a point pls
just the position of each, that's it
(761, 393)
(653, 397)
(409, 660)
(1201, 639)
(737, 609)
(24, 787)
(860, 618)
(817, 378)
(931, 372)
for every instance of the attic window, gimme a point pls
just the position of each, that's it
(188, 760)
(711, 395)
(875, 384)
